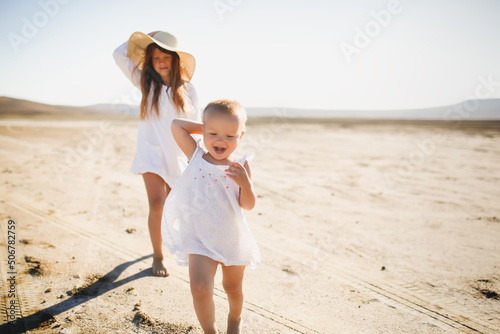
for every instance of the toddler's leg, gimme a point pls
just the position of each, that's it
(201, 277)
(232, 281)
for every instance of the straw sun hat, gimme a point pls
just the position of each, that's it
(138, 43)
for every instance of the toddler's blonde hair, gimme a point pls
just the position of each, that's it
(228, 107)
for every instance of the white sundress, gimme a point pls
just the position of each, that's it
(156, 151)
(202, 215)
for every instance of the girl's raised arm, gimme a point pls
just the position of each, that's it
(127, 66)
(182, 129)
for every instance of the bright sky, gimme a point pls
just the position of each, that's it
(328, 54)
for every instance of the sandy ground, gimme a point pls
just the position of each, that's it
(363, 228)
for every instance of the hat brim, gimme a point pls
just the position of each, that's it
(136, 49)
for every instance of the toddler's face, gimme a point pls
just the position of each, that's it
(221, 134)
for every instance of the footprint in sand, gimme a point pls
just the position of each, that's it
(36, 267)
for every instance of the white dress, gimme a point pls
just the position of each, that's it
(202, 215)
(156, 151)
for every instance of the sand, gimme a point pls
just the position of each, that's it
(364, 227)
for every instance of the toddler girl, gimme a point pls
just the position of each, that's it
(203, 223)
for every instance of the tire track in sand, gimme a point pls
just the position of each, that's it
(16, 288)
(432, 305)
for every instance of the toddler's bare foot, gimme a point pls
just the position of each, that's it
(159, 268)
(234, 327)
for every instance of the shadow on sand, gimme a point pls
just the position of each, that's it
(95, 289)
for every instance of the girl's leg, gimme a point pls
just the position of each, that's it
(158, 191)
(201, 277)
(232, 281)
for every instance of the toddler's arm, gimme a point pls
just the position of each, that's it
(242, 175)
(182, 129)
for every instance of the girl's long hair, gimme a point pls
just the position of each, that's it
(151, 79)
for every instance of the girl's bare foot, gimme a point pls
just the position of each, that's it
(234, 327)
(159, 268)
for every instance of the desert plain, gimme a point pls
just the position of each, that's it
(363, 226)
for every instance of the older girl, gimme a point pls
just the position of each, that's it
(162, 72)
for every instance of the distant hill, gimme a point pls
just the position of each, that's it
(121, 108)
(488, 109)
(11, 108)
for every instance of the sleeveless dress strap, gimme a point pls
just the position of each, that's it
(199, 149)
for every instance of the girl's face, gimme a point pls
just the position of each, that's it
(162, 63)
(221, 135)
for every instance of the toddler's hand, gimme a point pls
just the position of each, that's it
(239, 174)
